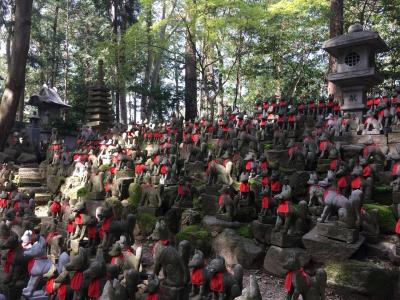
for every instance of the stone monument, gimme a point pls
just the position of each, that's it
(356, 73)
(99, 115)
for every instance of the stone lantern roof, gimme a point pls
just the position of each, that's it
(356, 36)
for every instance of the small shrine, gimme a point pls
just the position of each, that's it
(49, 103)
(99, 113)
(356, 72)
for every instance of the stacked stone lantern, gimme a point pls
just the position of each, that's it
(99, 113)
(356, 73)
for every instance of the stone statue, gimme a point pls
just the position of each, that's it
(227, 209)
(198, 274)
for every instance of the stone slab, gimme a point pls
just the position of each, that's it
(216, 225)
(323, 249)
(333, 231)
(262, 232)
(285, 241)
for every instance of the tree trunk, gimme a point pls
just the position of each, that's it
(53, 49)
(146, 80)
(16, 74)
(190, 77)
(335, 29)
(66, 66)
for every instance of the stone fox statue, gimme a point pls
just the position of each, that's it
(222, 284)
(198, 274)
(348, 209)
(299, 282)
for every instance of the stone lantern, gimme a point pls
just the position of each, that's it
(356, 73)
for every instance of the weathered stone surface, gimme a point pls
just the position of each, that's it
(380, 250)
(26, 158)
(54, 183)
(285, 241)
(4, 157)
(333, 231)
(216, 225)
(278, 156)
(362, 277)
(209, 204)
(261, 232)
(323, 249)
(277, 257)
(237, 250)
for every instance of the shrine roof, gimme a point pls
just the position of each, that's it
(48, 96)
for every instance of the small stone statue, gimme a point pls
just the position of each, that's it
(198, 274)
(226, 210)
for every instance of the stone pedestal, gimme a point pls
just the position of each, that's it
(96, 196)
(267, 219)
(262, 232)
(324, 249)
(178, 293)
(276, 258)
(284, 240)
(396, 197)
(336, 232)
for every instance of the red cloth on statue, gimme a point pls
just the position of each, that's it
(180, 190)
(78, 219)
(62, 292)
(49, 288)
(356, 183)
(244, 187)
(283, 207)
(367, 171)
(220, 199)
(264, 202)
(94, 288)
(70, 227)
(395, 168)
(197, 276)
(264, 165)
(55, 207)
(50, 235)
(275, 186)
(9, 260)
(152, 296)
(114, 259)
(264, 181)
(324, 144)
(164, 169)
(31, 262)
(76, 281)
(333, 164)
(217, 284)
(397, 228)
(342, 182)
(248, 166)
(289, 277)
(91, 232)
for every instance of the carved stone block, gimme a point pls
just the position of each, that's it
(336, 232)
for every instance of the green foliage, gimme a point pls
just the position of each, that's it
(146, 223)
(197, 204)
(383, 189)
(198, 236)
(386, 219)
(135, 193)
(82, 192)
(104, 168)
(245, 231)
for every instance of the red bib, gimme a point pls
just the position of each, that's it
(244, 187)
(342, 182)
(217, 284)
(264, 202)
(55, 207)
(70, 227)
(31, 262)
(275, 186)
(249, 164)
(333, 164)
(395, 168)
(49, 288)
(356, 183)
(91, 232)
(180, 190)
(264, 181)
(104, 227)
(62, 292)
(164, 169)
(289, 277)
(94, 288)
(78, 219)
(9, 260)
(197, 276)
(76, 281)
(264, 165)
(397, 229)
(152, 296)
(283, 207)
(367, 171)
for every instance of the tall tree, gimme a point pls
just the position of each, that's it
(335, 29)
(16, 74)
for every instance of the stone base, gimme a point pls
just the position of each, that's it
(285, 241)
(224, 217)
(245, 214)
(262, 232)
(396, 197)
(209, 204)
(169, 292)
(267, 219)
(216, 225)
(394, 256)
(337, 232)
(148, 210)
(323, 249)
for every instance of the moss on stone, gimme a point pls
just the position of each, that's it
(146, 223)
(268, 146)
(104, 168)
(135, 193)
(383, 189)
(198, 236)
(82, 192)
(386, 219)
(245, 231)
